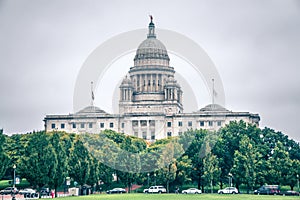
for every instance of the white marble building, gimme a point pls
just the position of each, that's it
(150, 104)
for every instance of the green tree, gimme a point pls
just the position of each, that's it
(184, 169)
(291, 178)
(211, 169)
(57, 139)
(229, 142)
(39, 162)
(167, 162)
(105, 174)
(280, 165)
(79, 164)
(128, 163)
(94, 176)
(193, 141)
(4, 159)
(245, 161)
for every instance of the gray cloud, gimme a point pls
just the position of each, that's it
(255, 45)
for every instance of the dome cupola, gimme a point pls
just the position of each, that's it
(151, 48)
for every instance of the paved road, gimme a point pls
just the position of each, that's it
(18, 197)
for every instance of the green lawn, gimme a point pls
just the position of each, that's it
(5, 183)
(177, 197)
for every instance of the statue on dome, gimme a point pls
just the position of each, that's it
(151, 17)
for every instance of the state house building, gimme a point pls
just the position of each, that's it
(150, 104)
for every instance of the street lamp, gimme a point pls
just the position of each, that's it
(298, 183)
(14, 183)
(230, 179)
(154, 178)
(148, 179)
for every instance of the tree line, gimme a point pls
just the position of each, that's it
(241, 153)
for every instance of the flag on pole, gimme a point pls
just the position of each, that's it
(93, 96)
(215, 93)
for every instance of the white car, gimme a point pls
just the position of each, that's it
(191, 191)
(27, 191)
(155, 189)
(228, 190)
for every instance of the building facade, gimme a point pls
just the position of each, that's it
(150, 104)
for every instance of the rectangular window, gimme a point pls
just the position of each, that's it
(169, 124)
(180, 123)
(73, 125)
(143, 122)
(210, 123)
(190, 123)
(144, 135)
(52, 126)
(169, 134)
(135, 123)
(101, 125)
(179, 133)
(136, 134)
(90, 125)
(82, 125)
(123, 125)
(62, 126)
(152, 135)
(201, 123)
(151, 122)
(219, 123)
(111, 125)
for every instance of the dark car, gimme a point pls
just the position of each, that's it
(9, 190)
(268, 189)
(45, 192)
(116, 191)
(291, 193)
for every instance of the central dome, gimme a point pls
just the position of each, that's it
(151, 48)
(152, 43)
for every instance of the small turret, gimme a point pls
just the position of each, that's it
(151, 28)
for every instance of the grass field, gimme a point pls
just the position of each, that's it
(5, 183)
(179, 197)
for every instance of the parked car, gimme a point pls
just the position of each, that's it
(29, 193)
(268, 189)
(9, 190)
(228, 190)
(116, 191)
(45, 192)
(156, 189)
(27, 190)
(191, 191)
(291, 193)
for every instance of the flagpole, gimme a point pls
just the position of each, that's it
(92, 93)
(213, 91)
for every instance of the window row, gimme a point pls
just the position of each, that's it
(143, 123)
(145, 136)
(135, 123)
(83, 125)
(201, 123)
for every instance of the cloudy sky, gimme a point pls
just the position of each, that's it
(255, 45)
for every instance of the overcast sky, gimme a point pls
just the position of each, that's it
(255, 45)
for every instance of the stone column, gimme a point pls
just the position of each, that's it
(151, 82)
